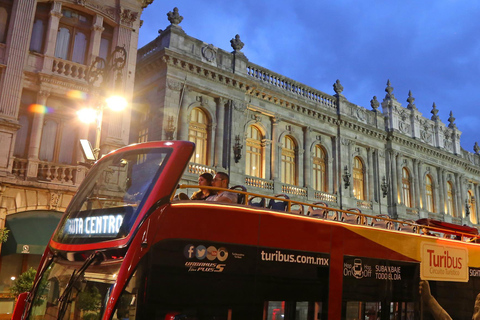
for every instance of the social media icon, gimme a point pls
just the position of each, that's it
(211, 253)
(200, 252)
(222, 254)
(189, 251)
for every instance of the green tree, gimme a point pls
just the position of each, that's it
(24, 282)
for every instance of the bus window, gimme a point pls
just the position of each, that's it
(291, 310)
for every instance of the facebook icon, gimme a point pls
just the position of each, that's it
(189, 251)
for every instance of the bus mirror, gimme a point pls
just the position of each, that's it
(19, 306)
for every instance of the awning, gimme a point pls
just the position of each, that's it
(30, 231)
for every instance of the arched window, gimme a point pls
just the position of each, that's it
(198, 134)
(450, 207)
(472, 206)
(429, 195)
(319, 169)
(288, 174)
(254, 159)
(358, 179)
(406, 188)
(73, 36)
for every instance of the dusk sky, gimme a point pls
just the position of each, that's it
(429, 47)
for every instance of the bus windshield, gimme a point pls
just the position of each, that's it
(67, 292)
(111, 197)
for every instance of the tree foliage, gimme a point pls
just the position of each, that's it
(24, 282)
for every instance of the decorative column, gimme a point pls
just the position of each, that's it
(51, 35)
(36, 134)
(440, 196)
(219, 132)
(370, 183)
(399, 179)
(393, 157)
(415, 193)
(95, 38)
(274, 167)
(183, 119)
(421, 186)
(308, 157)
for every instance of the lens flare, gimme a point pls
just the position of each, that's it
(87, 115)
(38, 108)
(76, 94)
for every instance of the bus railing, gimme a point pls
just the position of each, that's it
(321, 210)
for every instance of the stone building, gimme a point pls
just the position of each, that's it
(273, 134)
(46, 49)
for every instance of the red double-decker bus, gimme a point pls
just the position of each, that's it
(126, 249)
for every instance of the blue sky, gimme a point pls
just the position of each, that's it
(429, 47)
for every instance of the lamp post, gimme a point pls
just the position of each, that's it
(102, 73)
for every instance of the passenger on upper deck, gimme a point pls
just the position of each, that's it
(221, 180)
(204, 179)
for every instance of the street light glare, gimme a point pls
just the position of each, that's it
(116, 103)
(87, 115)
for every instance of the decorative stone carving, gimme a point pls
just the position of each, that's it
(374, 104)
(209, 53)
(80, 2)
(127, 16)
(236, 43)
(410, 101)
(404, 127)
(476, 148)
(54, 198)
(257, 118)
(145, 3)
(239, 106)
(434, 113)
(361, 114)
(203, 101)
(389, 90)
(337, 87)
(174, 85)
(451, 121)
(174, 17)
(426, 136)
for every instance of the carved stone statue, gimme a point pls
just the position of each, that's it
(476, 148)
(374, 103)
(389, 90)
(434, 111)
(337, 87)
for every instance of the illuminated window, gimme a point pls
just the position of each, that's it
(198, 134)
(254, 159)
(319, 169)
(450, 207)
(429, 194)
(288, 174)
(406, 190)
(73, 36)
(472, 206)
(358, 179)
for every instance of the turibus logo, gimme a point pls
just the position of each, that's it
(201, 252)
(443, 263)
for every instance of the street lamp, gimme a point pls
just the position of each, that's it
(103, 72)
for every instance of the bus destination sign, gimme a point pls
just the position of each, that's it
(99, 226)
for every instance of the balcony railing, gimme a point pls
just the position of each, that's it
(259, 183)
(198, 169)
(47, 172)
(363, 204)
(294, 190)
(324, 196)
(69, 69)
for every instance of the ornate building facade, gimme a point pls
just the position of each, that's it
(273, 134)
(46, 49)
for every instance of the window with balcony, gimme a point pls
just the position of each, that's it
(429, 194)
(73, 36)
(39, 29)
(358, 179)
(450, 197)
(254, 159)
(319, 169)
(406, 188)
(106, 41)
(198, 134)
(289, 165)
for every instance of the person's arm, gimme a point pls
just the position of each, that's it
(431, 303)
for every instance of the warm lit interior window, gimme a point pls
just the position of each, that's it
(198, 134)
(406, 189)
(319, 169)
(288, 173)
(358, 179)
(472, 207)
(254, 157)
